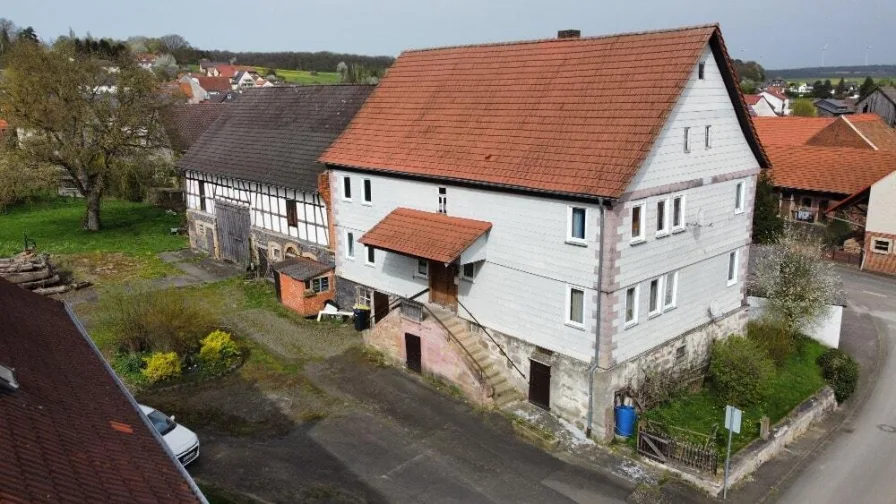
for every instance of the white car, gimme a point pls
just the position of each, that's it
(180, 440)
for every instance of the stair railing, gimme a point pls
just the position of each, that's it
(482, 327)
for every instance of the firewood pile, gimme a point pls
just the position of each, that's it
(36, 273)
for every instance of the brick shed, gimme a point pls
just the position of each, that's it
(304, 285)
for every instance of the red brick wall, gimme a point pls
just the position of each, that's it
(877, 261)
(292, 295)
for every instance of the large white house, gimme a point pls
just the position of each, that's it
(521, 228)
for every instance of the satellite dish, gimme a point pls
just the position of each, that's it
(715, 309)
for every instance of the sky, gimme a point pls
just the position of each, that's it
(778, 34)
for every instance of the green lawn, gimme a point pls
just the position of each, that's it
(303, 77)
(795, 381)
(131, 236)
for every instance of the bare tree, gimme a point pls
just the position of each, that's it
(98, 126)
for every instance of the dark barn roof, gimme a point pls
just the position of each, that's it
(274, 135)
(189, 122)
(71, 432)
(301, 268)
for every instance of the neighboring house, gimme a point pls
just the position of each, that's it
(190, 87)
(876, 202)
(244, 79)
(71, 430)
(881, 101)
(228, 71)
(779, 101)
(214, 86)
(146, 60)
(535, 242)
(188, 122)
(205, 65)
(818, 161)
(252, 177)
(760, 106)
(830, 107)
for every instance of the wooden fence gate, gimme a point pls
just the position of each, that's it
(233, 231)
(668, 450)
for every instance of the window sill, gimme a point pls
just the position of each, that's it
(466, 279)
(637, 241)
(629, 325)
(421, 277)
(738, 212)
(350, 258)
(669, 308)
(654, 315)
(881, 252)
(576, 242)
(730, 283)
(679, 230)
(574, 325)
(662, 235)
(370, 265)
(367, 203)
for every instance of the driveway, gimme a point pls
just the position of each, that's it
(858, 463)
(391, 438)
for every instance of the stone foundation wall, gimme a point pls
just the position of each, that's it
(203, 232)
(441, 357)
(687, 351)
(277, 246)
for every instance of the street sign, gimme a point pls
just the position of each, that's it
(732, 419)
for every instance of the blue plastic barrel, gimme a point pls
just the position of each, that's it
(625, 420)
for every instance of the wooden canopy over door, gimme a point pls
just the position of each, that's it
(442, 289)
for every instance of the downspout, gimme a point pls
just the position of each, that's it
(593, 367)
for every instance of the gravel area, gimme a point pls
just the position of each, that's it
(294, 339)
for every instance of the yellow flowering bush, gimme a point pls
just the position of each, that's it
(161, 366)
(218, 352)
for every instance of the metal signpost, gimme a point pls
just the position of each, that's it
(732, 423)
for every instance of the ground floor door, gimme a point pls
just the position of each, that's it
(380, 305)
(414, 354)
(540, 384)
(233, 232)
(442, 289)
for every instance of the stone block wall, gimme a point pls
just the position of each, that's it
(203, 232)
(278, 245)
(878, 261)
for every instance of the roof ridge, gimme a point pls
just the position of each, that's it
(717, 26)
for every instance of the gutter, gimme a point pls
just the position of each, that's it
(594, 363)
(181, 469)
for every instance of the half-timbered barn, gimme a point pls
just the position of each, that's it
(252, 179)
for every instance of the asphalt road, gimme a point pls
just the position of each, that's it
(858, 465)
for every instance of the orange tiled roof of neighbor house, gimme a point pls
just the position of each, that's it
(428, 235)
(575, 116)
(838, 170)
(752, 99)
(780, 131)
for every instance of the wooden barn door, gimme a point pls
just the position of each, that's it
(233, 232)
(442, 289)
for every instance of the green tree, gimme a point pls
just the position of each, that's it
(841, 89)
(748, 86)
(99, 126)
(28, 35)
(768, 226)
(822, 89)
(867, 87)
(803, 107)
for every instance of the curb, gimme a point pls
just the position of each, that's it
(857, 404)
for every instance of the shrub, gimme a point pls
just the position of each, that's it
(218, 352)
(129, 367)
(840, 371)
(740, 371)
(772, 338)
(162, 366)
(167, 321)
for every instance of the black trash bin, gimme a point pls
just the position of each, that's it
(362, 317)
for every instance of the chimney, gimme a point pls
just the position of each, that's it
(564, 34)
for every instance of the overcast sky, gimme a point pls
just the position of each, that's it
(776, 33)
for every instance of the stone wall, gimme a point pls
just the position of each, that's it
(203, 232)
(687, 351)
(277, 242)
(441, 357)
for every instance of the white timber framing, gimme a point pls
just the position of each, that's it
(270, 206)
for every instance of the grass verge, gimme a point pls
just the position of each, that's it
(305, 77)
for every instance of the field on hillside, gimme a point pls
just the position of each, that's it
(304, 77)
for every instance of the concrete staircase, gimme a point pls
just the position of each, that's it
(504, 393)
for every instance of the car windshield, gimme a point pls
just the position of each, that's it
(162, 423)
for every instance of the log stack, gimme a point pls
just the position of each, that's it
(36, 273)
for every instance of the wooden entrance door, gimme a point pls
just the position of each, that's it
(540, 384)
(413, 352)
(380, 305)
(233, 232)
(442, 289)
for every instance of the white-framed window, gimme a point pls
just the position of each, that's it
(881, 245)
(371, 256)
(732, 267)
(687, 139)
(575, 219)
(443, 200)
(670, 291)
(364, 296)
(662, 217)
(654, 301)
(701, 70)
(468, 271)
(631, 306)
(349, 245)
(739, 197)
(319, 284)
(708, 137)
(575, 306)
(678, 215)
(368, 191)
(422, 268)
(637, 224)
(347, 188)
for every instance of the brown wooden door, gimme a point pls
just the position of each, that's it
(413, 351)
(442, 289)
(540, 384)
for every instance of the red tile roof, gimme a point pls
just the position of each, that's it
(212, 84)
(544, 115)
(836, 170)
(434, 236)
(777, 94)
(752, 99)
(875, 130)
(186, 89)
(230, 71)
(71, 432)
(789, 130)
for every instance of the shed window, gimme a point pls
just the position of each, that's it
(319, 284)
(292, 214)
